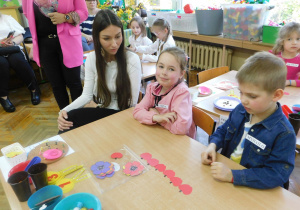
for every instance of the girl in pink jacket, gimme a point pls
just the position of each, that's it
(168, 101)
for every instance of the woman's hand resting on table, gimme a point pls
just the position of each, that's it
(62, 123)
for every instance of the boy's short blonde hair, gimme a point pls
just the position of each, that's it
(264, 70)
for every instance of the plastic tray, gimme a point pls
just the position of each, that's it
(15, 147)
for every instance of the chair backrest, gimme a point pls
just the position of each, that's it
(204, 120)
(211, 73)
(140, 96)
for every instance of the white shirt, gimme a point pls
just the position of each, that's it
(91, 81)
(236, 156)
(140, 41)
(155, 47)
(8, 24)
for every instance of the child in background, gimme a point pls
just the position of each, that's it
(86, 26)
(162, 30)
(257, 134)
(288, 47)
(168, 101)
(139, 33)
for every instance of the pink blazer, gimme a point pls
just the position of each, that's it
(69, 35)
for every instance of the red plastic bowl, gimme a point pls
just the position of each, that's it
(19, 167)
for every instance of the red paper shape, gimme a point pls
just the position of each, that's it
(146, 156)
(116, 155)
(133, 168)
(186, 189)
(176, 181)
(153, 162)
(160, 167)
(169, 173)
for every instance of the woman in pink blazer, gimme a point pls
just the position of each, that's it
(57, 46)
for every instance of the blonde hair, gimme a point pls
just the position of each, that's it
(140, 21)
(284, 33)
(163, 23)
(179, 55)
(265, 70)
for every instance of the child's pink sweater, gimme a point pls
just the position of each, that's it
(177, 100)
(293, 68)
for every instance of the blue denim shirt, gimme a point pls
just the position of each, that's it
(266, 168)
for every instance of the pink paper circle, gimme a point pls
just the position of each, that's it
(51, 154)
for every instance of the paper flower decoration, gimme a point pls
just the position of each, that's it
(103, 169)
(133, 168)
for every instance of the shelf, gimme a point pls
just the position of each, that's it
(256, 46)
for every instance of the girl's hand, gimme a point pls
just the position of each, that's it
(209, 155)
(169, 117)
(287, 82)
(89, 38)
(221, 172)
(154, 110)
(62, 123)
(140, 55)
(57, 18)
(131, 48)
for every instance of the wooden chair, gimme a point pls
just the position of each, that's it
(204, 120)
(211, 73)
(140, 96)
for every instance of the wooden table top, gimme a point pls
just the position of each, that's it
(148, 70)
(152, 190)
(291, 97)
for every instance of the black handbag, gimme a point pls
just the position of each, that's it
(9, 50)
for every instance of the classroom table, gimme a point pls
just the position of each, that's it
(148, 70)
(291, 97)
(151, 190)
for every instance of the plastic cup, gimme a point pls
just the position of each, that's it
(295, 121)
(38, 173)
(20, 183)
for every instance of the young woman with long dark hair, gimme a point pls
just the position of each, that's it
(112, 77)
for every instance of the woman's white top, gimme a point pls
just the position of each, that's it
(140, 41)
(91, 81)
(8, 24)
(155, 47)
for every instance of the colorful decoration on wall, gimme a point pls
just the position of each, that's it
(9, 3)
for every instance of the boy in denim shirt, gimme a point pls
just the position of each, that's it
(257, 134)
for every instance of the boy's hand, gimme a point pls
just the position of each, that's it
(169, 117)
(209, 155)
(221, 172)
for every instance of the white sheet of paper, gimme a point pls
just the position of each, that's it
(222, 120)
(5, 166)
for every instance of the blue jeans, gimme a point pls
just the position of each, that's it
(85, 45)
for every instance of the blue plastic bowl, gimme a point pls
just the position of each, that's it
(43, 194)
(88, 200)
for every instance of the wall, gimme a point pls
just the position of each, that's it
(239, 56)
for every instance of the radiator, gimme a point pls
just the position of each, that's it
(205, 56)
